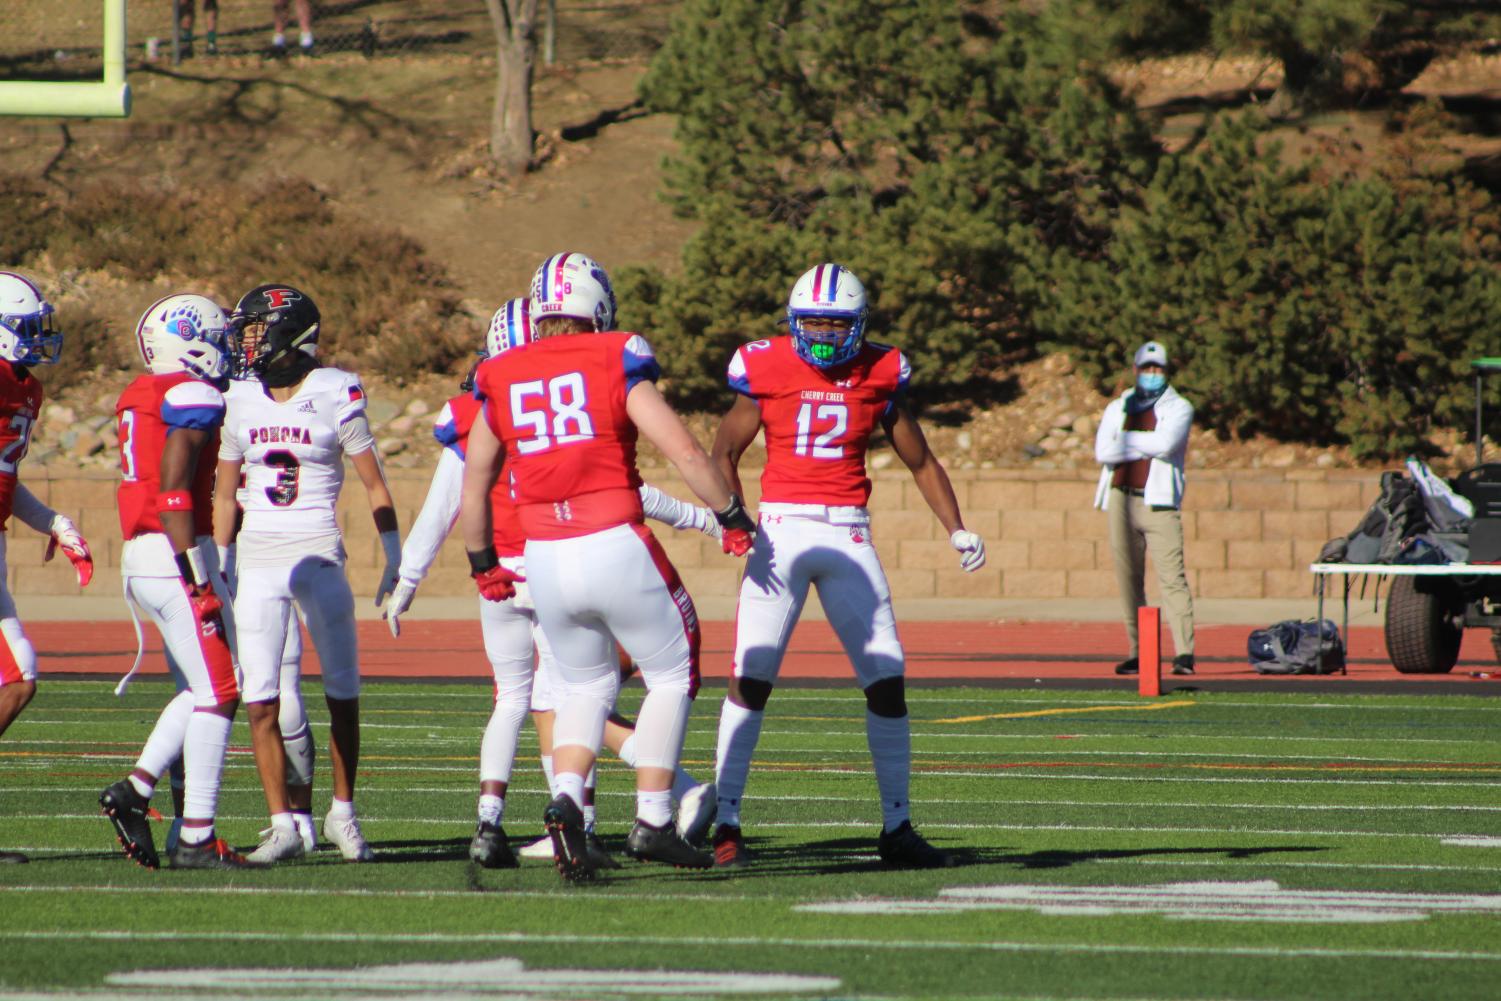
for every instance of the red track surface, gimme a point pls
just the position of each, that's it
(1015, 651)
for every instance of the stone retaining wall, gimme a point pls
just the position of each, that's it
(1248, 534)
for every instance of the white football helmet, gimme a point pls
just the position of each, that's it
(832, 291)
(510, 327)
(185, 333)
(573, 285)
(26, 334)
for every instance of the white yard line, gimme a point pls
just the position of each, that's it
(129, 935)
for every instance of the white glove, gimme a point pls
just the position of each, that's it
(398, 603)
(971, 550)
(704, 521)
(65, 535)
(391, 543)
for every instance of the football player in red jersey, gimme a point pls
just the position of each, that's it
(563, 414)
(26, 339)
(168, 428)
(820, 394)
(513, 639)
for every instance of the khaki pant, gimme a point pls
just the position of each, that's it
(1136, 530)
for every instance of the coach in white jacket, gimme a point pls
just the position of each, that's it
(1141, 444)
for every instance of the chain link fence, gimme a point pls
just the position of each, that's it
(61, 39)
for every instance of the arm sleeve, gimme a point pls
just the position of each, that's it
(33, 512)
(354, 435)
(1170, 435)
(737, 375)
(669, 510)
(195, 406)
(436, 519)
(639, 362)
(903, 382)
(351, 400)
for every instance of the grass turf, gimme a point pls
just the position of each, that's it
(1319, 843)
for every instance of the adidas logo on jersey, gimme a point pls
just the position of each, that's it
(306, 407)
(287, 435)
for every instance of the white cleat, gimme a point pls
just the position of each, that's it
(539, 849)
(347, 837)
(696, 812)
(277, 845)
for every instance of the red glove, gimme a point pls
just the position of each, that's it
(66, 536)
(737, 541)
(497, 583)
(737, 531)
(208, 610)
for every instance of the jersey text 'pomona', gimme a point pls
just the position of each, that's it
(818, 421)
(293, 459)
(558, 405)
(148, 411)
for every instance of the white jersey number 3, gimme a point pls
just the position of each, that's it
(558, 417)
(822, 446)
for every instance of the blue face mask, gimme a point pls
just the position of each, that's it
(1151, 382)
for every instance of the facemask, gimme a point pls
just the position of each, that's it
(1151, 382)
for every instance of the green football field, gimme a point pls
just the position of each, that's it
(1204, 845)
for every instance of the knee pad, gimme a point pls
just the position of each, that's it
(750, 693)
(887, 697)
(583, 706)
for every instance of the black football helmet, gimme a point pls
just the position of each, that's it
(276, 334)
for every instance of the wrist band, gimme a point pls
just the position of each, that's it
(174, 500)
(190, 566)
(482, 561)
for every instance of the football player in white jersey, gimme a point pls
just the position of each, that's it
(513, 638)
(288, 430)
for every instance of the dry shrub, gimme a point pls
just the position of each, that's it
(105, 251)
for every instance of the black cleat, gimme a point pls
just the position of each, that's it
(127, 810)
(570, 846)
(729, 847)
(599, 855)
(489, 847)
(13, 858)
(1183, 663)
(211, 854)
(1131, 666)
(904, 848)
(648, 843)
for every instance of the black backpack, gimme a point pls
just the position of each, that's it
(1293, 647)
(1397, 515)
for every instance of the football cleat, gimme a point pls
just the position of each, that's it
(213, 854)
(729, 846)
(277, 845)
(127, 811)
(696, 812)
(570, 846)
(904, 848)
(599, 855)
(649, 843)
(348, 838)
(541, 848)
(489, 847)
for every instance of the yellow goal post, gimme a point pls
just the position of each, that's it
(107, 98)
